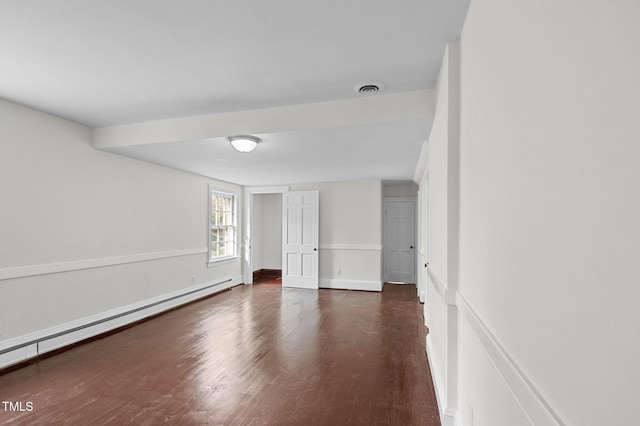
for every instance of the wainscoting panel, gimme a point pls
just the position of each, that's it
(447, 416)
(337, 246)
(533, 404)
(515, 383)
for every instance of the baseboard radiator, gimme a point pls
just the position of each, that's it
(24, 348)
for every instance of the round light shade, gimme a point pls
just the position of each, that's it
(244, 143)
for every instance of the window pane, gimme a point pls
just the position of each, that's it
(222, 231)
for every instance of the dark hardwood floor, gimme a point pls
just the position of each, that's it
(255, 355)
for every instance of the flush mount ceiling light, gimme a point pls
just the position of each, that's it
(244, 143)
(368, 87)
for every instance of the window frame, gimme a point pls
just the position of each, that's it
(224, 192)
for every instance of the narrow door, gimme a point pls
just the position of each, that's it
(300, 225)
(399, 240)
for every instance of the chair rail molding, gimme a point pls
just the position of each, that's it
(76, 265)
(533, 404)
(350, 246)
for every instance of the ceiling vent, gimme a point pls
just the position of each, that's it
(368, 88)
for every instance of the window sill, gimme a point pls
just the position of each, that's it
(222, 261)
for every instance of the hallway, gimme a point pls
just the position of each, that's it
(255, 355)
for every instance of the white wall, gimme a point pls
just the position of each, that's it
(441, 339)
(399, 189)
(421, 229)
(116, 230)
(350, 232)
(256, 233)
(438, 145)
(267, 227)
(547, 320)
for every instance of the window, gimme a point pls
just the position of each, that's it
(223, 235)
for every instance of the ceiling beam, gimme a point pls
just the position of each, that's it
(350, 112)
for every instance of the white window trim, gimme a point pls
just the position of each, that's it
(236, 248)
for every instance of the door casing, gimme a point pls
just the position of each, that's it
(247, 253)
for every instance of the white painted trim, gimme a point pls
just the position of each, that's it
(338, 246)
(447, 415)
(447, 294)
(537, 410)
(448, 418)
(435, 280)
(247, 251)
(433, 368)
(235, 193)
(62, 335)
(351, 284)
(224, 261)
(423, 163)
(302, 285)
(76, 265)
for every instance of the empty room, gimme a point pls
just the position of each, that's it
(319, 213)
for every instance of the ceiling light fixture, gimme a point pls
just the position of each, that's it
(244, 143)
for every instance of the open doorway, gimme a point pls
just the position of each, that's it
(264, 250)
(254, 231)
(266, 264)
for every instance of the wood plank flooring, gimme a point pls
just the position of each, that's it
(255, 355)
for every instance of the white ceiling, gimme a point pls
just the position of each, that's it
(109, 63)
(376, 151)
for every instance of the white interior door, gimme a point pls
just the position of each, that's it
(300, 226)
(399, 240)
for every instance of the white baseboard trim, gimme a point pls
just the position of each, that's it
(448, 418)
(533, 404)
(22, 348)
(76, 265)
(447, 415)
(303, 285)
(351, 284)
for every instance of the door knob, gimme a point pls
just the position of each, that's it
(411, 247)
(315, 249)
